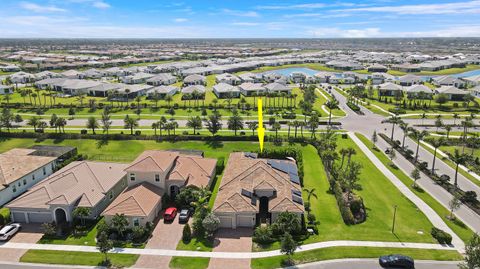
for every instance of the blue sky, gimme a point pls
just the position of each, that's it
(233, 18)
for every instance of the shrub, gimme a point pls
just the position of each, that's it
(220, 165)
(165, 200)
(263, 235)
(186, 196)
(287, 222)
(469, 197)
(311, 218)
(441, 236)
(137, 233)
(83, 131)
(211, 223)
(137, 133)
(49, 229)
(187, 233)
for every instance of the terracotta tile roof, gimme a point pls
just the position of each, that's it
(195, 170)
(250, 174)
(153, 160)
(17, 163)
(85, 183)
(137, 201)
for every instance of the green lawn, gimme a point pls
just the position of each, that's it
(77, 258)
(353, 252)
(189, 263)
(379, 196)
(456, 225)
(87, 239)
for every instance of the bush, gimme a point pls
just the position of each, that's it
(211, 223)
(137, 133)
(287, 222)
(469, 197)
(138, 233)
(263, 235)
(49, 229)
(83, 131)
(311, 218)
(2, 220)
(187, 233)
(441, 236)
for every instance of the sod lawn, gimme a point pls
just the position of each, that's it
(353, 252)
(456, 225)
(189, 263)
(77, 258)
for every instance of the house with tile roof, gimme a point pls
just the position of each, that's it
(79, 184)
(20, 169)
(156, 173)
(255, 190)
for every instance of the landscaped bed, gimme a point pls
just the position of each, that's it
(77, 258)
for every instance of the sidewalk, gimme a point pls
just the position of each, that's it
(228, 255)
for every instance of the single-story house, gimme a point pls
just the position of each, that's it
(194, 88)
(377, 68)
(276, 87)
(255, 190)
(228, 79)
(475, 91)
(70, 74)
(389, 89)
(10, 68)
(91, 73)
(162, 91)
(162, 79)
(195, 80)
(47, 74)
(88, 184)
(323, 77)
(270, 77)
(153, 174)
(448, 81)
(409, 80)
(137, 78)
(20, 169)
(6, 89)
(22, 77)
(251, 77)
(419, 91)
(377, 78)
(453, 93)
(473, 80)
(248, 89)
(298, 77)
(224, 90)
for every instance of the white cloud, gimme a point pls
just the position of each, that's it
(350, 33)
(40, 9)
(299, 6)
(180, 20)
(240, 13)
(101, 5)
(444, 8)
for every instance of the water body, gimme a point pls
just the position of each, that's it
(288, 71)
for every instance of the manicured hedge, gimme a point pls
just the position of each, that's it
(441, 236)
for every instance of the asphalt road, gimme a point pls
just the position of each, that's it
(372, 264)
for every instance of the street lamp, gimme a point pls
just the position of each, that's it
(394, 215)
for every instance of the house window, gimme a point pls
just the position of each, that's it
(33, 177)
(157, 177)
(19, 184)
(132, 177)
(111, 195)
(44, 170)
(136, 223)
(24, 182)
(52, 166)
(14, 188)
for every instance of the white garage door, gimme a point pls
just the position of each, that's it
(18, 217)
(39, 217)
(225, 222)
(244, 221)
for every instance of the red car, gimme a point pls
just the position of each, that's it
(170, 214)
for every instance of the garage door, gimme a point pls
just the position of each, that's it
(18, 217)
(39, 217)
(244, 221)
(225, 222)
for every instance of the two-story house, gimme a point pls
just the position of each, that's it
(154, 174)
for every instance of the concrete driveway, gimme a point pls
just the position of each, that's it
(232, 240)
(30, 233)
(164, 236)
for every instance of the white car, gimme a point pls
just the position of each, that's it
(9, 230)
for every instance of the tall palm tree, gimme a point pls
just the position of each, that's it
(275, 127)
(418, 136)
(459, 159)
(405, 129)
(436, 143)
(92, 123)
(448, 128)
(127, 92)
(394, 120)
(310, 192)
(331, 104)
(455, 117)
(155, 127)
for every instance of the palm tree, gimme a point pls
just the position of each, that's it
(138, 99)
(448, 128)
(394, 120)
(418, 136)
(130, 123)
(81, 98)
(23, 94)
(310, 193)
(313, 123)
(127, 92)
(34, 121)
(459, 159)
(215, 102)
(92, 123)
(235, 122)
(168, 99)
(61, 122)
(455, 117)
(343, 152)
(424, 116)
(405, 129)
(253, 125)
(106, 122)
(155, 126)
(275, 127)
(436, 143)
(331, 104)
(161, 124)
(350, 152)
(194, 123)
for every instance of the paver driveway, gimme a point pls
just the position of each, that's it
(164, 236)
(30, 233)
(232, 240)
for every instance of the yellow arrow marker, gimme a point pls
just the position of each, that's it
(260, 130)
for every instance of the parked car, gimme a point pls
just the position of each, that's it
(170, 214)
(184, 215)
(396, 261)
(9, 230)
